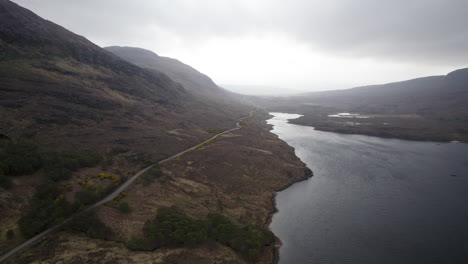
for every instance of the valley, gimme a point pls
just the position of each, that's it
(89, 122)
(114, 153)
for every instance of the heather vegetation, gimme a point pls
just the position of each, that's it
(5, 182)
(90, 195)
(89, 223)
(24, 158)
(19, 158)
(153, 174)
(48, 207)
(60, 165)
(173, 228)
(124, 207)
(10, 234)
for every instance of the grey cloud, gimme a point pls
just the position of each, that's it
(421, 31)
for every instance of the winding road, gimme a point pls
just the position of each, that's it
(116, 192)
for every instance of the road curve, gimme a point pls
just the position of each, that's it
(114, 193)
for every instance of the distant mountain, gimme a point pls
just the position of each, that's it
(437, 106)
(426, 95)
(65, 90)
(262, 90)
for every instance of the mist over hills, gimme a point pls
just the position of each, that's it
(263, 90)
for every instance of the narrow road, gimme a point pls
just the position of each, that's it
(115, 193)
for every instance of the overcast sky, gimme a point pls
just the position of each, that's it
(291, 44)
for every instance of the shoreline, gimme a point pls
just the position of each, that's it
(307, 175)
(375, 133)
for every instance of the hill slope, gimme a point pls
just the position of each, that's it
(196, 83)
(52, 77)
(190, 78)
(429, 108)
(63, 99)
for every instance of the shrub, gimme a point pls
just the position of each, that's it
(57, 174)
(25, 158)
(137, 243)
(5, 182)
(46, 210)
(247, 241)
(221, 228)
(124, 207)
(87, 197)
(100, 230)
(10, 234)
(3, 166)
(91, 195)
(60, 165)
(90, 224)
(20, 159)
(173, 228)
(176, 228)
(86, 158)
(155, 171)
(149, 177)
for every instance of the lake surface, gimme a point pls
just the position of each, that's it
(372, 200)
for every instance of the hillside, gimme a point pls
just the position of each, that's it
(197, 84)
(194, 81)
(76, 121)
(429, 108)
(51, 77)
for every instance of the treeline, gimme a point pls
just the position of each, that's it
(48, 207)
(91, 225)
(173, 228)
(25, 158)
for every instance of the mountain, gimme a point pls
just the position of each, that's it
(423, 95)
(195, 82)
(428, 108)
(76, 121)
(51, 78)
(215, 100)
(47, 50)
(190, 78)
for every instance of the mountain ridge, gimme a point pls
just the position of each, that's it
(426, 108)
(194, 81)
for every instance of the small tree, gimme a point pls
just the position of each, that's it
(5, 182)
(137, 243)
(124, 207)
(10, 234)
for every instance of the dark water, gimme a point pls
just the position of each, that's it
(373, 200)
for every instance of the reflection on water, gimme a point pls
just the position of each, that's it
(373, 200)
